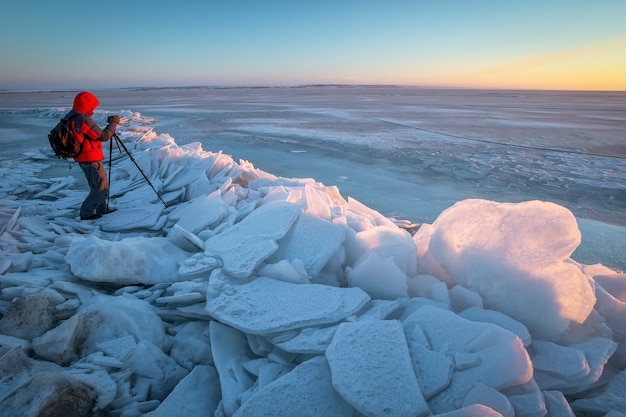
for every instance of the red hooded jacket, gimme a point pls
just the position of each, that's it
(86, 129)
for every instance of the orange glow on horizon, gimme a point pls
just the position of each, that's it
(600, 66)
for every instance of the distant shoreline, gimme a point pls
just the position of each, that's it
(304, 86)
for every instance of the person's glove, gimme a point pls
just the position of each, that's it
(113, 120)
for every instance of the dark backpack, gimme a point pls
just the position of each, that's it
(62, 140)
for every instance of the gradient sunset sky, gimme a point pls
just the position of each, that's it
(525, 44)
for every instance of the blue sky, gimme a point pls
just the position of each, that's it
(548, 44)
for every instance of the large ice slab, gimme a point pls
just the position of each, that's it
(230, 350)
(482, 352)
(128, 261)
(279, 305)
(305, 391)
(142, 216)
(516, 256)
(313, 241)
(245, 245)
(200, 213)
(82, 333)
(611, 397)
(371, 368)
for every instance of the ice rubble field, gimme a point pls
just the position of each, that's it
(252, 295)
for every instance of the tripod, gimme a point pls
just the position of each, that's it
(122, 148)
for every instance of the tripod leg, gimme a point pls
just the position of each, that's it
(110, 156)
(120, 143)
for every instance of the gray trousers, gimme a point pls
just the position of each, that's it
(96, 201)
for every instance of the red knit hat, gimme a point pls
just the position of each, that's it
(85, 102)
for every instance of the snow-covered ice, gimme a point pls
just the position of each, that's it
(255, 294)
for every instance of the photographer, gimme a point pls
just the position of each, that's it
(90, 159)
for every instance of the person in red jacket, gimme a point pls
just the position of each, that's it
(90, 159)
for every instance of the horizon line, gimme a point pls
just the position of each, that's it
(311, 85)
